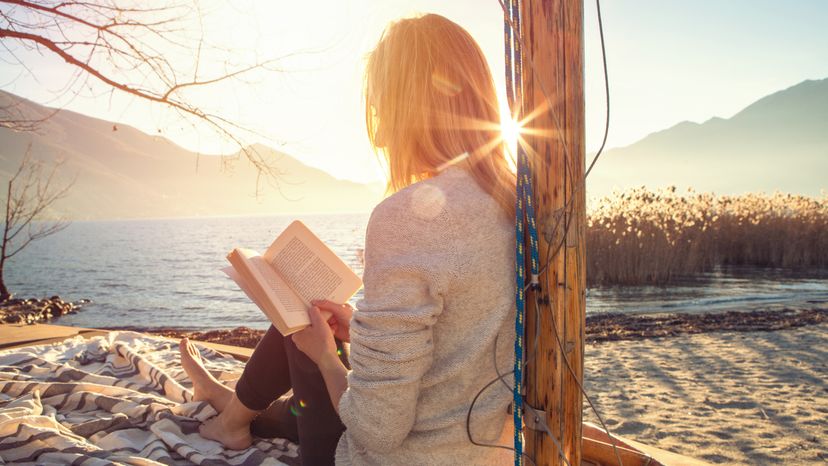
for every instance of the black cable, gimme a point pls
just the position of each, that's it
(468, 419)
(500, 377)
(606, 90)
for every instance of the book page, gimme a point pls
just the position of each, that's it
(291, 310)
(310, 268)
(308, 274)
(290, 303)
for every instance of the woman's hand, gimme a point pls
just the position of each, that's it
(340, 320)
(316, 340)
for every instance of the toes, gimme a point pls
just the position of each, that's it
(194, 352)
(187, 346)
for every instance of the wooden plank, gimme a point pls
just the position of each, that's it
(594, 432)
(597, 446)
(20, 335)
(16, 335)
(667, 458)
(603, 454)
(552, 32)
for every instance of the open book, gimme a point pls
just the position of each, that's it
(296, 269)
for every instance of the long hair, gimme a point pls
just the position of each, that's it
(430, 102)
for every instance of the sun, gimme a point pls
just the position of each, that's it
(510, 131)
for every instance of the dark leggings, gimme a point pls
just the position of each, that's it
(286, 385)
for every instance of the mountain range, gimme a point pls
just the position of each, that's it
(121, 172)
(779, 142)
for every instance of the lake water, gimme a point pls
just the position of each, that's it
(156, 273)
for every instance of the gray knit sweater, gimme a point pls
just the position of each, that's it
(439, 293)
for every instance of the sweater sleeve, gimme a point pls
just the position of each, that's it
(407, 270)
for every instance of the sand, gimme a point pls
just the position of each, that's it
(723, 397)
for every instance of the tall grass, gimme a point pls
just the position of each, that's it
(654, 237)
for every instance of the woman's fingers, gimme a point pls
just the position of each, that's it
(342, 313)
(316, 316)
(339, 310)
(327, 305)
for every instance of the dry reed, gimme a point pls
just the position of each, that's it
(654, 237)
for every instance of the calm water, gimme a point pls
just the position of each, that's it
(166, 273)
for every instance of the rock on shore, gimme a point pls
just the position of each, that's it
(32, 311)
(244, 337)
(611, 327)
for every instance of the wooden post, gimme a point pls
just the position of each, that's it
(552, 32)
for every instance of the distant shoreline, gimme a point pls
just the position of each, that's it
(600, 328)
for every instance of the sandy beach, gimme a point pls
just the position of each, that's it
(725, 397)
(747, 387)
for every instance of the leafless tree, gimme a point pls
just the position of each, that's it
(151, 50)
(30, 192)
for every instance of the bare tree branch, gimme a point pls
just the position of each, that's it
(132, 49)
(29, 193)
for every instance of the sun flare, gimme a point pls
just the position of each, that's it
(510, 130)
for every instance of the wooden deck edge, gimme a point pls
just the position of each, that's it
(21, 335)
(667, 458)
(601, 445)
(600, 453)
(18, 335)
(47, 341)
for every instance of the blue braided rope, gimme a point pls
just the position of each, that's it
(524, 215)
(528, 193)
(519, 278)
(520, 302)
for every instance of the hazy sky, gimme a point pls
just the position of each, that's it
(668, 61)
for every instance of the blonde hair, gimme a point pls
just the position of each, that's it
(428, 89)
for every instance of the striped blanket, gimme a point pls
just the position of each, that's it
(119, 399)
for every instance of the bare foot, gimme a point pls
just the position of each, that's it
(205, 386)
(220, 430)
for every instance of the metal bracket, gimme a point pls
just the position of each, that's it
(534, 419)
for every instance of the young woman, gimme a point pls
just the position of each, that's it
(438, 307)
